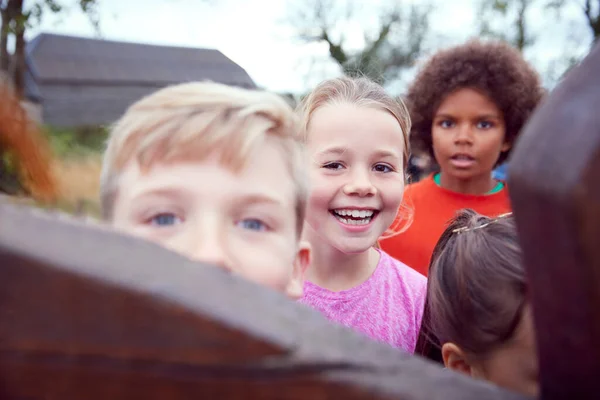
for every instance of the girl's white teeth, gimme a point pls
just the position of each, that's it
(355, 213)
(348, 221)
(354, 217)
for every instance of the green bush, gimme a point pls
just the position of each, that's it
(9, 175)
(79, 141)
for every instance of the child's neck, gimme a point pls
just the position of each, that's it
(477, 185)
(336, 271)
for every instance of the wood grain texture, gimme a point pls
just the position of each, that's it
(86, 313)
(554, 182)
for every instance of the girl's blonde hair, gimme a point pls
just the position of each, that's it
(362, 92)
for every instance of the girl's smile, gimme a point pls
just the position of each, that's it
(357, 177)
(355, 219)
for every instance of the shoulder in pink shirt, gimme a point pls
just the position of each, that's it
(387, 307)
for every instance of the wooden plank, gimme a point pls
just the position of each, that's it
(86, 313)
(555, 189)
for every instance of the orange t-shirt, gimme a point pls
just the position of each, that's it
(433, 208)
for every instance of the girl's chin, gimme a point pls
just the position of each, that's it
(353, 245)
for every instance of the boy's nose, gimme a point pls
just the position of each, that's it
(464, 134)
(209, 247)
(212, 255)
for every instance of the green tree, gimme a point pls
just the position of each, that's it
(589, 8)
(393, 46)
(19, 15)
(502, 13)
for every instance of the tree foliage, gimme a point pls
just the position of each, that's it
(393, 45)
(589, 8)
(17, 17)
(502, 13)
(515, 12)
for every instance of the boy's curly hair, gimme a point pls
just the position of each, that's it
(494, 68)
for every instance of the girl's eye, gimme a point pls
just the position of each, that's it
(446, 123)
(484, 125)
(333, 165)
(382, 168)
(165, 219)
(252, 224)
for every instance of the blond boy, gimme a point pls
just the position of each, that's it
(215, 173)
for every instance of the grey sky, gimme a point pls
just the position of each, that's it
(255, 34)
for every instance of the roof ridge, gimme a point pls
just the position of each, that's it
(41, 35)
(63, 58)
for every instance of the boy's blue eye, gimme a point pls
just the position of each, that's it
(382, 168)
(485, 125)
(253, 224)
(165, 219)
(446, 123)
(333, 165)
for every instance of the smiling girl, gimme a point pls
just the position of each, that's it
(357, 140)
(467, 104)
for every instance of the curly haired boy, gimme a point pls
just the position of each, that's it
(467, 104)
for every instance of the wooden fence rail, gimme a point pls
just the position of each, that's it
(554, 181)
(86, 313)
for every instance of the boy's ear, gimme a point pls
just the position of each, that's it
(506, 146)
(455, 359)
(295, 288)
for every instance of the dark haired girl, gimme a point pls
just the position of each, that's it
(477, 319)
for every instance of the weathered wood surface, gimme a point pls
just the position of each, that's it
(554, 181)
(89, 314)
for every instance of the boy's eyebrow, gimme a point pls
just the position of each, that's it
(162, 191)
(257, 198)
(450, 116)
(176, 192)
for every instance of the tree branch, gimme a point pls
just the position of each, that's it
(593, 21)
(335, 50)
(383, 35)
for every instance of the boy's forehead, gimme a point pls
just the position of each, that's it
(264, 173)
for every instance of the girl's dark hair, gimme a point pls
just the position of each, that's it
(495, 69)
(476, 288)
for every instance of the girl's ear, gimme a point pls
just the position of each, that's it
(295, 288)
(455, 359)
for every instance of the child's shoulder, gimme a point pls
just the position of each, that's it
(403, 271)
(424, 184)
(424, 188)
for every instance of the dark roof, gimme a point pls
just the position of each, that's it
(81, 81)
(56, 58)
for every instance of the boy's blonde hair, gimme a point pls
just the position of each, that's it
(193, 120)
(360, 91)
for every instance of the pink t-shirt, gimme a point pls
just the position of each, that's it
(387, 307)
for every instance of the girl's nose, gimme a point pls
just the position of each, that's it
(360, 184)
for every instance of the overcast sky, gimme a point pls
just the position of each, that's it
(257, 35)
